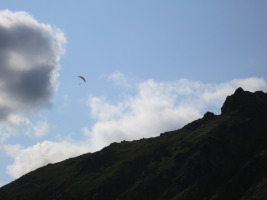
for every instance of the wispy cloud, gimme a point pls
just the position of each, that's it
(119, 79)
(38, 129)
(29, 64)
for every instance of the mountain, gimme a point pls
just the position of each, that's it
(217, 157)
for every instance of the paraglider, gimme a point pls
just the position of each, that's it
(81, 77)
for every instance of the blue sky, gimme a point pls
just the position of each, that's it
(150, 66)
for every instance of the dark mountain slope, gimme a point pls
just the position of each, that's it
(213, 158)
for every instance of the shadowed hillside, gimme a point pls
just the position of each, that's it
(213, 158)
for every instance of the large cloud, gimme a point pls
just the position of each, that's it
(158, 107)
(155, 108)
(29, 64)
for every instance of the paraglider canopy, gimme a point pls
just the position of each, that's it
(81, 77)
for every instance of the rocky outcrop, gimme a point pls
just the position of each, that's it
(246, 102)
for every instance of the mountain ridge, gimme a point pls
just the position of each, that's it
(213, 158)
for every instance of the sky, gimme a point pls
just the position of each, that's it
(151, 66)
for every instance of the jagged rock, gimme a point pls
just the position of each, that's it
(246, 102)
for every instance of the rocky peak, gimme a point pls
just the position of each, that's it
(246, 102)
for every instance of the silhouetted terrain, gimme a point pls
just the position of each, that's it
(220, 157)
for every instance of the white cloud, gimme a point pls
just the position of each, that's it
(31, 158)
(29, 64)
(158, 107)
